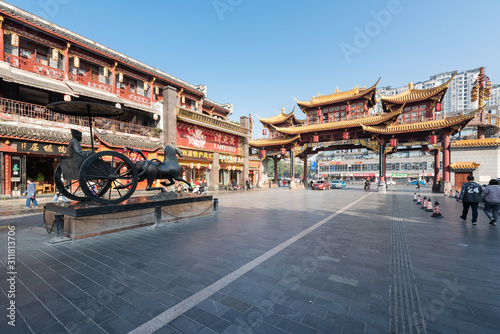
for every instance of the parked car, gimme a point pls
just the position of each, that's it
(337, 184)
(414, 183)
(321, 185)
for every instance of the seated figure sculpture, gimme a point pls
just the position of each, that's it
(70, 165)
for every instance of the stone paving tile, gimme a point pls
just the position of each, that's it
(121, 280)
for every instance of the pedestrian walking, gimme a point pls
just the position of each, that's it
(470, 196)
(491, 197)
(418, 185)
(31, 194)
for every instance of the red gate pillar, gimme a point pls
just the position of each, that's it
(382, 186)
(292, 170)
(275, 170)
(446, 184)
(437, 160)
(304, 179)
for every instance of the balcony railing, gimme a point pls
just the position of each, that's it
(29, 64)
(213, 121)
(32, 113)
(127, 94)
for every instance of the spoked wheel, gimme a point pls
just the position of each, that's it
(69, 188)
(108, 177)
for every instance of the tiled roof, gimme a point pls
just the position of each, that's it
(350, 123)
(454, 121)
(278, 119)
(338, 96)
(273, 142)
(24, 132)
(413, 95)
(120, 141)
(464, 165)
(476, 142)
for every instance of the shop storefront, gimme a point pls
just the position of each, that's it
(22, 160)
(253, 171)
(209, 155)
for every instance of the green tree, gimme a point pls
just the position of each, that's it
(284, 168)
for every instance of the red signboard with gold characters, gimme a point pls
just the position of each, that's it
(189, 135)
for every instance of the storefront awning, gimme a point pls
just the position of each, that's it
(39, 81)
(92, 92)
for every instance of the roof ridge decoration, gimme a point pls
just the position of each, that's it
(350, 123)
(273, 142)
(121, 141)
(464, 165)
(485, 142)
(412, 95)
(337, 96)
(277, 119)
(455, 122)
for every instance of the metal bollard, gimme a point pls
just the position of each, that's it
(216, 204)
(157, 215)
(59, 226)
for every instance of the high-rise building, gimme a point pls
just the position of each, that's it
(457, 98)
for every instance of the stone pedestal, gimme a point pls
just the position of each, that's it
(446, 186)
(293, 185)
(89, 219)
(382, 187)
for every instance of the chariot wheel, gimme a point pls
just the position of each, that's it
(108, 177)
(69, 188)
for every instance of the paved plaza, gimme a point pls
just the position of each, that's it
(272, 261)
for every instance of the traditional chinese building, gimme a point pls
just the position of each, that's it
(41, 63)
(342, 120)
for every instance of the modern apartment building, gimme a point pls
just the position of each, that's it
(457, 98)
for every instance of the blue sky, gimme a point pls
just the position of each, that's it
(259, 54)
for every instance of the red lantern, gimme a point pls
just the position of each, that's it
(316, 139)
(264, 132)
(394, 142)
(320, 113)
(348, 108)
(438, 107)
(433, 139)
(346, 135)
(263, 153)
(283, 150)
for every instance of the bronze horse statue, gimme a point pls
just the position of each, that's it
(154, 169)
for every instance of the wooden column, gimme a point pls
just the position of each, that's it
(382, 160)
(2, 57)
(446, 185)
(437, 160)
(66, 61)
(446, 156)
(113, 72)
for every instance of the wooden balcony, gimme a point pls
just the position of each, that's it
(36, 114)
(88, 79)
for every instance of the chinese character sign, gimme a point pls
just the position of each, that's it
(190, 135)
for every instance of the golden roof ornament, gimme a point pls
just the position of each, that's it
(410, 86)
